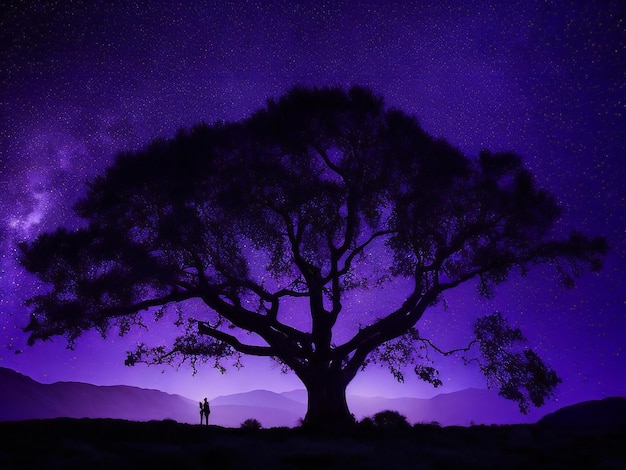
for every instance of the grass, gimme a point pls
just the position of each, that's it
(104, 443)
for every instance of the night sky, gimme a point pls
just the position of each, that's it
(81, 81)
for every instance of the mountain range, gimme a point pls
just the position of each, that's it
(23, 398)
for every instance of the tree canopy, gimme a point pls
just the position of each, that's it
(288, 205)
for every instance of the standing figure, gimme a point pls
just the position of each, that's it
(206, 410)
(201, 411)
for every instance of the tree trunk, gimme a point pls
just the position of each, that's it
(327, 407)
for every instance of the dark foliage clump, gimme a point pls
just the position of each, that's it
(251, 424)
(390, 419)
(387, 420)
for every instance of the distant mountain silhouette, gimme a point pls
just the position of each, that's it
(262, 398)
(464, 407)
(23, 398)
(595, 413)
(269, 408)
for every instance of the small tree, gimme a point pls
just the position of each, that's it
(285, 210)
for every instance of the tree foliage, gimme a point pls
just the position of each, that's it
(288, 207)
(520, 375)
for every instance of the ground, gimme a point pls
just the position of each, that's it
(100, 444)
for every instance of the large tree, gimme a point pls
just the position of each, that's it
(319, 196)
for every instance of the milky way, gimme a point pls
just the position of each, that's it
(546, 79)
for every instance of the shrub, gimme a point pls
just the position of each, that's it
(390, 419)
(251, 423)
(367, 424)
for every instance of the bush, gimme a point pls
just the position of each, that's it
(367, 424)
(390, 419)
(251, 423)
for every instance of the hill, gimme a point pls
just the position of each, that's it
(608, 412)
(22, 398)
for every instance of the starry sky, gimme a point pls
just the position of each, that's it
(81, 81)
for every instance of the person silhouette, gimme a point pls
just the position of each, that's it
(206, 410)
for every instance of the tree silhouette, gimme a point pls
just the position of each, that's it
(273, 223)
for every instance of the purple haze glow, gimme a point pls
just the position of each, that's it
(81, 82)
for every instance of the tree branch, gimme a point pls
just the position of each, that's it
(156, 302)
(359, 249)
(204, 328)
(322, 153)
(450, 352)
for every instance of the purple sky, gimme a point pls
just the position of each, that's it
(546, 79)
